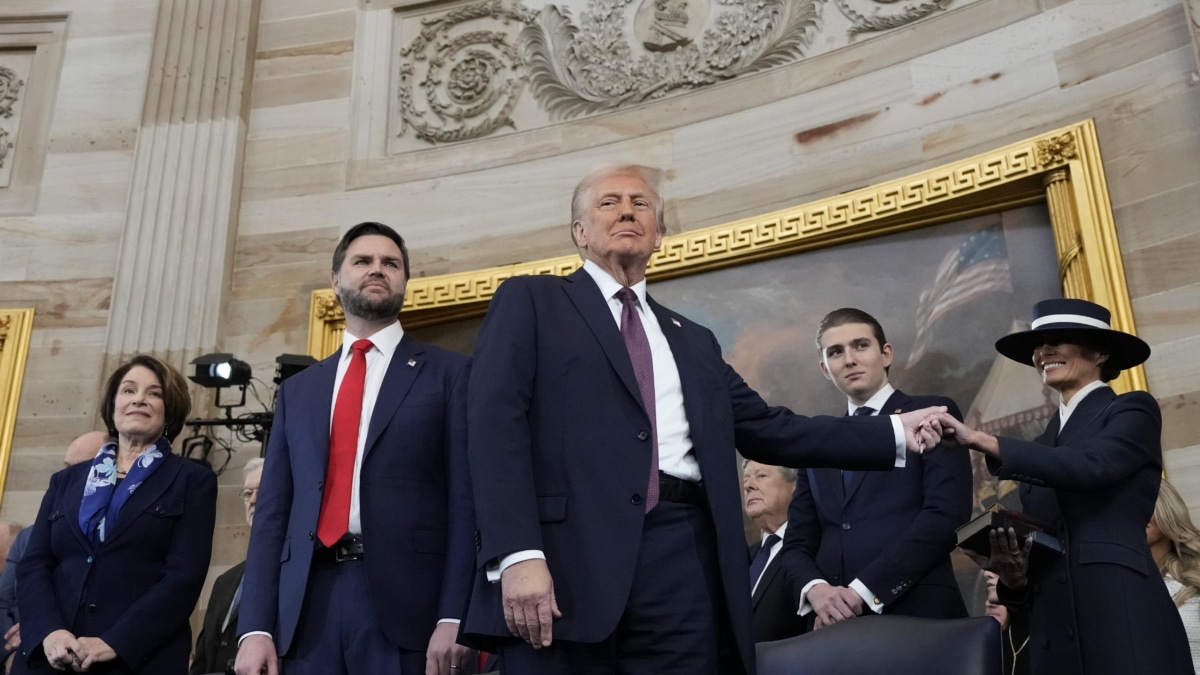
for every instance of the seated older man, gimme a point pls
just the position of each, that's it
(768, 491)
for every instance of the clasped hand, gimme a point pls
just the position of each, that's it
(64, 650)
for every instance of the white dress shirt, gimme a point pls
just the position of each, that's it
(379, 357)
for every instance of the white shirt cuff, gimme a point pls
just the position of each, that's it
(494, 570)
(254, 632)
(901, 446)
(870, 601)
(450, 621)
(805, 606)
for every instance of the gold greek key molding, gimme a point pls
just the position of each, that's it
(1061, 168)
(16, 326)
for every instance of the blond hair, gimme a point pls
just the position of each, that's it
(1182, 560)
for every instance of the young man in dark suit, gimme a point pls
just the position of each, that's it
(360, 558)
(602, 429)
(863, 542)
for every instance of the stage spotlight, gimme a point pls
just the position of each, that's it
(288, 365)
(220, 370)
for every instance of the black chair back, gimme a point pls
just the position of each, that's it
(893, 645)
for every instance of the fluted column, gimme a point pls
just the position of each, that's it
(175, 257)
(1191, 9)
(1072, 269)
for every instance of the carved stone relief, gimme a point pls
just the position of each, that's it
(11, 85)
(499, 66)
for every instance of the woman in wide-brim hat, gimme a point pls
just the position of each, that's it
(1093, 474)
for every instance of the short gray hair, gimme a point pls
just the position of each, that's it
(789, 474)
(652, 177)
(252, 466)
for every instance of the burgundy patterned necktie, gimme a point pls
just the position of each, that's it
(643, 369)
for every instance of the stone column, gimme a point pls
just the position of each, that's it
(175, 257)
(1191, 9)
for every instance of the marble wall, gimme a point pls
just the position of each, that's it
(300, 148)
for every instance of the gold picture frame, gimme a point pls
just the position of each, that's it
(16, 327)
(1061, 168)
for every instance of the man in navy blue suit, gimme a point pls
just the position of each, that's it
(867, 541)
(602, 440)
(360, 557)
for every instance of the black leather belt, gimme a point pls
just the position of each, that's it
(346, 549)
(672, 489)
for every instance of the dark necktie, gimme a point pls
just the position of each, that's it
(643, 369)
(343, 446)
(848, 476)
(760, 559)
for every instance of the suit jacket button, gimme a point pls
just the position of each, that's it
(92, 607)
(311, 536)
(643, 435)
(321, 485)
(636, 500)
(224, 643)
(845, 526)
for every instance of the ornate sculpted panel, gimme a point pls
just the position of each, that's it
(485, 68)
(31, 52)
(14, 69)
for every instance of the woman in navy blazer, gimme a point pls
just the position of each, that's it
(1100, 608)
(121, 544)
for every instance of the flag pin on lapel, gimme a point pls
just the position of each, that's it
(676, 322)
(412, 362)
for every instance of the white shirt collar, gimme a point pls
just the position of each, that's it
(876, 402)
(609, 286)
(385, 340)
(781, 531)
(1065, 410)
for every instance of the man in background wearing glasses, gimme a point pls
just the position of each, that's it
(216, 646)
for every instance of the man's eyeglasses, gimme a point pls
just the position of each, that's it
(248, 494)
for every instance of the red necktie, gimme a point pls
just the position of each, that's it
(343, 446)
(638, 346)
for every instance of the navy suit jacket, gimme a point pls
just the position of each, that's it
(137, 590)
(775, 616)
(558, 429)
(894, 530)
(415, 497)
(1102, 608)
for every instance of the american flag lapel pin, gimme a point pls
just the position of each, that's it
(412, 363)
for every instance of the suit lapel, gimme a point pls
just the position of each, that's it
(72, 500)
(593, 307)
(893, 405)
(406, 363)
(146, 494)
(828, 491)
(685, 363)
(764, 582)
(1092, 405)
(317, 406)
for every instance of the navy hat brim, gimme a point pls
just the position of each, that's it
(1124, 350)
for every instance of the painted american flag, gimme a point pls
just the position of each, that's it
(977, 266)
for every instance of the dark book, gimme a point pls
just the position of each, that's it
(974, 535)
